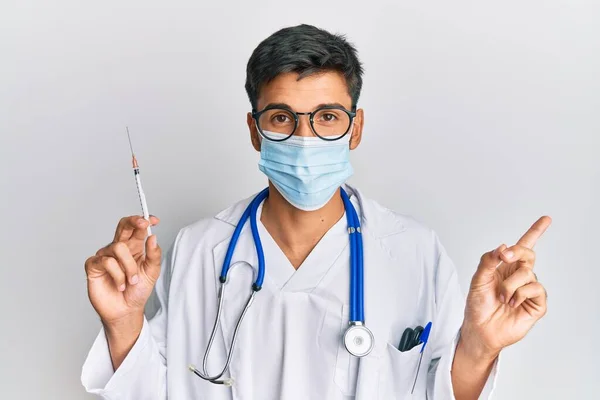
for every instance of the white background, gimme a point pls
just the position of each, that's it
(480, 118)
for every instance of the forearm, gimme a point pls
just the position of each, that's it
(470, 371)
(121, 336)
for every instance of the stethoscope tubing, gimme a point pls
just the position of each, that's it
(250, 210)
(356, 254)
(356, 316)
(257, 243)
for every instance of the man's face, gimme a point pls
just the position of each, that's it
(306, 95)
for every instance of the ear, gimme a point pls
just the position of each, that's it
(254, 134)
(357, 129)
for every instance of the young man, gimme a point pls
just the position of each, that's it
(304, 84)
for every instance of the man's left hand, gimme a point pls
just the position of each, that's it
(505, 298)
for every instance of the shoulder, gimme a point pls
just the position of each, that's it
(397, 231)
(206, 233)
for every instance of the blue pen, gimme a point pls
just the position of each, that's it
(423, 338)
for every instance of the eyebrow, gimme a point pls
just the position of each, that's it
(284, 105)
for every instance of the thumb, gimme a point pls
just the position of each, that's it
(153, 258)
(487, 266)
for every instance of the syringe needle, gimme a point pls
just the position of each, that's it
(129, 138)
(133, 159)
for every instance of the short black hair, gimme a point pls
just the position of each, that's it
(306, 50)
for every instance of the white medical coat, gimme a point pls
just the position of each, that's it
(290, 342)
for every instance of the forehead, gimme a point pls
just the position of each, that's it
(307, 93)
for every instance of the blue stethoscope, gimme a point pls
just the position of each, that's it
(358, 339)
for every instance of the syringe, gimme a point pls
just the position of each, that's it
(138, 182)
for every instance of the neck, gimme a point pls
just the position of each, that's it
(295, 231)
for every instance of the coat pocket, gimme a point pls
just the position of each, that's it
(398, 372)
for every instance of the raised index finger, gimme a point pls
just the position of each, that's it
(535, 232)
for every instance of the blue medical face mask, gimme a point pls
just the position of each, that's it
(307, 171)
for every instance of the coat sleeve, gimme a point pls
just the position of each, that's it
(449, 314)
(143, 373)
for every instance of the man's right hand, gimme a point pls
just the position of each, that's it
(120, 277)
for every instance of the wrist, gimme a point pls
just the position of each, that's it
(121, 335)
(475, 350)
(124, 327)
(476, 359)
(471, 366)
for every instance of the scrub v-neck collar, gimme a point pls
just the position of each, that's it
(312, 270)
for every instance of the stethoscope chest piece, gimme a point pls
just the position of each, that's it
(358, 339)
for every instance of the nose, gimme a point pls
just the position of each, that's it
(304, 129)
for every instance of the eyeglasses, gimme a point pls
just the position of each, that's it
(278, 123)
